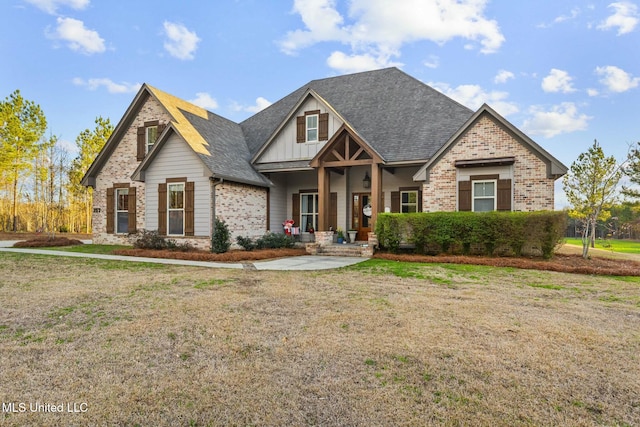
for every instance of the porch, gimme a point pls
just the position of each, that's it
(324, 245)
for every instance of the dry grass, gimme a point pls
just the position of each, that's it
(384, 343)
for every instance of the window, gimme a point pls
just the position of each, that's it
(484, 196)
(122, 210)
(151, 134)
(175, 208)
(147, 137)
(408, 201)
(309, 211)
(312, 128)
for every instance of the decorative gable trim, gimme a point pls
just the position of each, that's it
(346, 148)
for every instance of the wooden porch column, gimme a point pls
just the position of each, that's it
(376, 194)
(324, 198)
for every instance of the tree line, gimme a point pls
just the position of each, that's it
(40, 181)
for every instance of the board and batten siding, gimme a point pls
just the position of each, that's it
(177, 160)
(284, 146)
(278, 203)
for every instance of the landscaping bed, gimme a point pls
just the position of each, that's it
(560, 263)
(598, 264)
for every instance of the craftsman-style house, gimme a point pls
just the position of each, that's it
(333, 153)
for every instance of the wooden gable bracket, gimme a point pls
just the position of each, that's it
(345, 149)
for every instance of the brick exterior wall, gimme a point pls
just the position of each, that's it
(118, 169)
(243, 208)
(532, 189)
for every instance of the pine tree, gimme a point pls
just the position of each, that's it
(22, 124)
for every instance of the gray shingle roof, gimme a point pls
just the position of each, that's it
(229, 156)
(401, 118)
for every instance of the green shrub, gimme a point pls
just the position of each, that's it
(388, 233)
(246, 242)
(487, 233)
(275, 241)
(220, 242)
(150, 239)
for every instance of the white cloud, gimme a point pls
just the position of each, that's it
(204, 100)
(112, 87)
(573, 15)
(503, 76)
(78, 37)
(616, 79)
(377, 29)
(261, 104)
(355, 63)
(558, 81)
(51, 6)
(432, 62)
(473, 96)
(563, 118)
(593, 92)
(181, 42)
(67, 146)
(625, 18)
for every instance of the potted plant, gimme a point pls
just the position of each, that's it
(340, 234)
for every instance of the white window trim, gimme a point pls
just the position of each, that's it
(117, 211)
(148, 144)
(409, 204)
(169, 209)
(495, 193)
(317, 128)
(314, 214)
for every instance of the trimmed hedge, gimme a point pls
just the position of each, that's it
(485, 233)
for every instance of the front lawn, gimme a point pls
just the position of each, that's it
(615, 245)
(380, 343)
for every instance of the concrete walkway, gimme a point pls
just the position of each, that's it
(306, 262)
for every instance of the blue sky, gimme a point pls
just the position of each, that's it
(566, 72)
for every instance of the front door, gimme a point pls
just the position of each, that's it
(361, 215)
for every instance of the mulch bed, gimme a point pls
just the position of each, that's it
(561, 263)
(47, 242)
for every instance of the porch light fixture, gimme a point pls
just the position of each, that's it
(366, 182)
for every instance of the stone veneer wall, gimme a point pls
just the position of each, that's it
(243, 208)
(118, 169)
(532, 190)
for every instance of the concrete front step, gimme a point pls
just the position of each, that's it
(348, 250)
